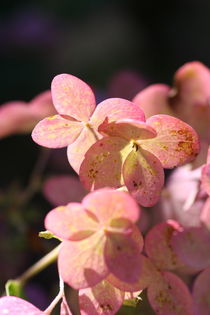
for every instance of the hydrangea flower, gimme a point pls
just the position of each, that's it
(18, 117)
(10, 305)
(76, 124)
(134, 153)
(99, 237)
(167, 293)
(188, 100)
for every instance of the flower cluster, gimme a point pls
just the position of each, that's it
(120, 157)
(112, 145)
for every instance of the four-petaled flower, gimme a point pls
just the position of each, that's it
(99, 238)
(76, 125)
(133, 153)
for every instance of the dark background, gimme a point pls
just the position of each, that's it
(91, 39)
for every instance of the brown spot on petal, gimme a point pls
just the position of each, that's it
(106, 307)
(92, 173)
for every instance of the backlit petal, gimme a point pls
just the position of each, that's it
(73, 97)
(114, 109)
(103, 162)
(147, 274)
(72, 222)
(158, 245)
(109, 204)
(56, 131)
(170, 296)
(143, 176)
(192, 246)
(127, 129)
(122, 255)
(81, 264)
(100, 299)
(176, 142)
(76, 151)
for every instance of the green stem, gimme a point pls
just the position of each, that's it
(35, 177)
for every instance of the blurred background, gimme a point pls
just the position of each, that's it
(108, 44)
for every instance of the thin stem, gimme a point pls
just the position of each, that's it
(40, 265)
(56, 299)
(35, 176)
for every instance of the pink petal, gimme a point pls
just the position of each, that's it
(20, 117)
(56, 131)
(100, 299)
(205, 178)
(12, 305)
(147, 274)
(192, 246)
(170, 296)
(77, 150)
(64, 309)
(180, 199)
(205, 214)
(191, 82)
(114, 109)
(109, 204)
(158, 245)
(176, 142)
(15, 117)
(126, 83)
(201, 293)
(62, 189)
(208, 156)
(103, 162)
(81, 264)
(42, 105)
(122, 255)
(127, 129)
(73, 97)
(143, 176)
(71, 222)
(154, 100)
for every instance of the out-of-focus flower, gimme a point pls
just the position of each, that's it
(126, 84)
(62, 189)
(100, 238)
(188, 100)
(18, 117)
(181, 200)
